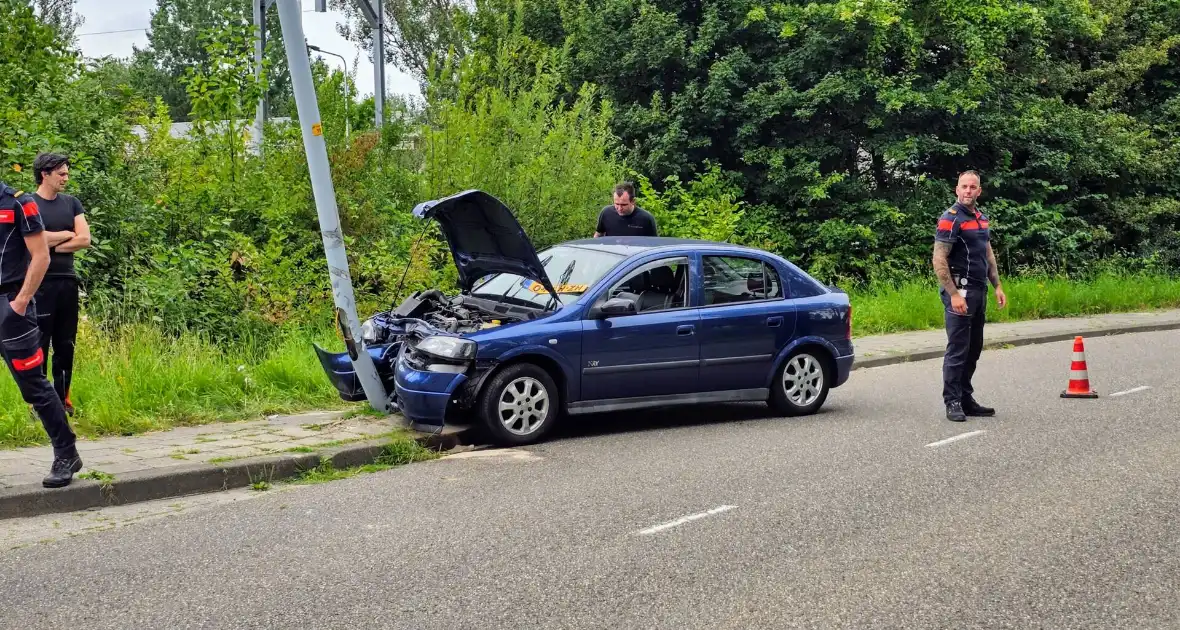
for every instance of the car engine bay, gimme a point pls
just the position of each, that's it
(432, 312)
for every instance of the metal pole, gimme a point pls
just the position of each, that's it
(259, 49)
(298, 59)
(379, 64)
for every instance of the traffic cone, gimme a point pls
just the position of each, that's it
(1079, 379)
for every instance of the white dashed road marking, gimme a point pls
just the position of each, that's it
(1132, 390)
(956, 438)
(685, 519)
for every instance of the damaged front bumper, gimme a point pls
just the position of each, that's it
(422, 392)
(425, 397)
(341, 373)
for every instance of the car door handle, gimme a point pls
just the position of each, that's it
(684, 330)
(774, 322)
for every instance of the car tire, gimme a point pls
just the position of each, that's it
(801, 383)
(519, 405)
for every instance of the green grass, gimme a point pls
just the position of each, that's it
(138, 380)
(104, 479)
(402, 450)
(916, 305)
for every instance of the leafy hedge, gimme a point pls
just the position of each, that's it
(829, 132)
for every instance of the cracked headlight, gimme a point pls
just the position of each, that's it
(448, 348)
(369, 331)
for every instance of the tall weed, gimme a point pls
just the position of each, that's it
(140, 379)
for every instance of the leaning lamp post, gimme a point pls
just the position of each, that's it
(299, 62)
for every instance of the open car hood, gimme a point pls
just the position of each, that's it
(484, 238)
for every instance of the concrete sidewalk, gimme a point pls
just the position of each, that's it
(220, 456)
(877, 350)
(193, 460)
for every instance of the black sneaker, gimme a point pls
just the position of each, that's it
(954, 412)
(972, 408)
(62, 472)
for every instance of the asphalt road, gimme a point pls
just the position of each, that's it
(1058, 514)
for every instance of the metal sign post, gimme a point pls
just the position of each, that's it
(325, 199)
(261, 114)
(376, 18)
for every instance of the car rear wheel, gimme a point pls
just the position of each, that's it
(801, 385)
(519, 405)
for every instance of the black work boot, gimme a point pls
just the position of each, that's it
(954, 412)
(972, 408)
(62, 471)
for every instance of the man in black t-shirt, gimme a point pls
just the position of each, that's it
(624, 218)
(24, 257)
(66, 231)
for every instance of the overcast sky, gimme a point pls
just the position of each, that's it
(320, 28)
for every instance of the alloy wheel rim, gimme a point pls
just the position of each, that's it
(523, 406)
(803, 380)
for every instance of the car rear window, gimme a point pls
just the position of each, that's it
(737, 279)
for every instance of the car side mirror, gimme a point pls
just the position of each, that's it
(615, 307)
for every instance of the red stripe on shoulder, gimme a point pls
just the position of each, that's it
(946, 224)
(30, 209)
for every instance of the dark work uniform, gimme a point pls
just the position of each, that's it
(20, 339)
(967, 233)
(639, 223)
(57, 299)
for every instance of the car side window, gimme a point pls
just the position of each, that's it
(735, 279)
(657, 286)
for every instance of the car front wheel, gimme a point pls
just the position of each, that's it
(519, 405)
(801, 385)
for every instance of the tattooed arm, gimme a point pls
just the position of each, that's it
(942, 267)
(993, 274)
(993, 270)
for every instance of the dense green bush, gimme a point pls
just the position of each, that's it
(827, 132)
(198, 234)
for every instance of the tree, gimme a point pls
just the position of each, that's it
(844, 122)
(417, 31)
(59, 14)
(225, 89)
(174, 46)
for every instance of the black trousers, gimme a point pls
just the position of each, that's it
(20, 342)
(57, 317)
(964, 343)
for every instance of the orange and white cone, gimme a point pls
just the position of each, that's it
(1079, 378)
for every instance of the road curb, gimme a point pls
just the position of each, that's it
(1025, 340)
(165, 483)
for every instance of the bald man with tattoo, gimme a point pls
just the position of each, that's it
(964, 263)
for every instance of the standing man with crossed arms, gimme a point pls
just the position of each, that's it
(66, 231)
(964, 263)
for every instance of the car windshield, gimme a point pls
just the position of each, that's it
(571, 270)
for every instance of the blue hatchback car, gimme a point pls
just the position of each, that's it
(598, 325)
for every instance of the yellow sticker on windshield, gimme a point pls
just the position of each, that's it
(537, 287)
